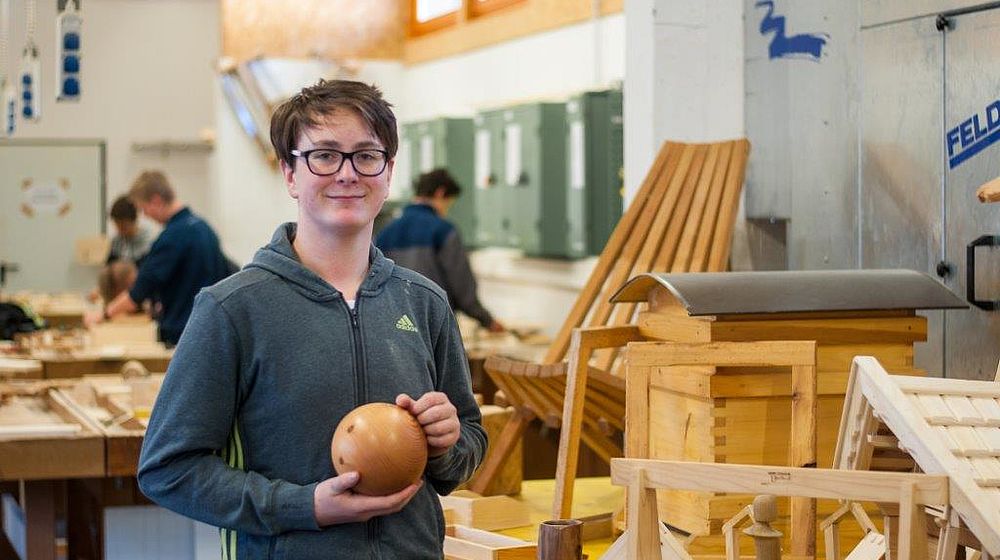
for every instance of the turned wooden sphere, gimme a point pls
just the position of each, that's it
(384, 444)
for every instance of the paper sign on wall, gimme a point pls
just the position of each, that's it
(426, 153)
(512, 151)
(577, 156)
(482, 159)
(48, 197)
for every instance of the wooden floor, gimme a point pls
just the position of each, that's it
(592, 496)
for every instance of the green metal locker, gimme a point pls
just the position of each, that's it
(534, 138)
(492, 220)
(594, 166)
(443, 142)
(447, 142)
(405, 170)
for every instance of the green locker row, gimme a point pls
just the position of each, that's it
(545, 178)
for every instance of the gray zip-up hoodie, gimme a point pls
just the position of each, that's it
(270, 361)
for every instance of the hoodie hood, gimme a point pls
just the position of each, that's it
(279, 257)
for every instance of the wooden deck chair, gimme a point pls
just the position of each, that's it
(680, 220)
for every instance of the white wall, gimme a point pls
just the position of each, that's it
(684, 77)
(553, 64)
(147, 72)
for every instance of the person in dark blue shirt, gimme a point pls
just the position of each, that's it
(185, 258)
(423, 240)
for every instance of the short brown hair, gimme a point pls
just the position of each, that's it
(123, 210)
(428, 183)
(305, 108)
(150, 183)
(115, 278)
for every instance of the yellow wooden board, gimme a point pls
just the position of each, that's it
(593, 496)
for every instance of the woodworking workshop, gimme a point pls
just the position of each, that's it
(499, 280)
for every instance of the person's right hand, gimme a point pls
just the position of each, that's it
(334, 501)
(93, 317)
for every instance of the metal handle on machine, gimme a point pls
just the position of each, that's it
(970, 271)
(5, 268)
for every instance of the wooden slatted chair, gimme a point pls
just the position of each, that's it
(681, 220)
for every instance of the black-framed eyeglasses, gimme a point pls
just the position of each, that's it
(327, 161)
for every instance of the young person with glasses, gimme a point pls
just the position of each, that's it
(319, 323)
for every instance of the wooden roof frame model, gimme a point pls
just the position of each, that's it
(947, 426)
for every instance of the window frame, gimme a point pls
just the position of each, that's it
(417, 28)
(479, 8)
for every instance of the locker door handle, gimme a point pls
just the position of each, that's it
(970, 271)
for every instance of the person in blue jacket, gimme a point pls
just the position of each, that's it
(183, 259)
(423, 240)
(317, 324)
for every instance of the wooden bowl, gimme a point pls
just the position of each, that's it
(382, 442)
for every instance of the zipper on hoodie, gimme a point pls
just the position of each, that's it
(360, 392)
(361, 396)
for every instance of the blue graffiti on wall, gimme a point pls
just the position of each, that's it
(973, 135)
(804, 45)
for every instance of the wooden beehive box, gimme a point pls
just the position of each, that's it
(43, 436)
(120, 407)
(739, 415)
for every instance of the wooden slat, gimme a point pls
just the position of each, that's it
(865, 486)
(765, 353)
(637, 415)
(686, 244)
(842, 331)
(935, 411)
(803, 454)
(988, 409)
(719, 255)
(939, 386)
(705, 239)
(967, 442)
(987, 471)
(991, 439)
(962, 409)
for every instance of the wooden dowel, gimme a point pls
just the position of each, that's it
(559, 539)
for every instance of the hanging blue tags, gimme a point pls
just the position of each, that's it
(69, 24)
(31, 78)
(9, 109)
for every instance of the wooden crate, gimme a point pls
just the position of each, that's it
(120, 407)
(20, 368)
(44, 436)
(128, 331)
(742, 415)
(508, 480)
(486, 512)
(466, 543)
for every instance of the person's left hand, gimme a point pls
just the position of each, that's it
(437, 416)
